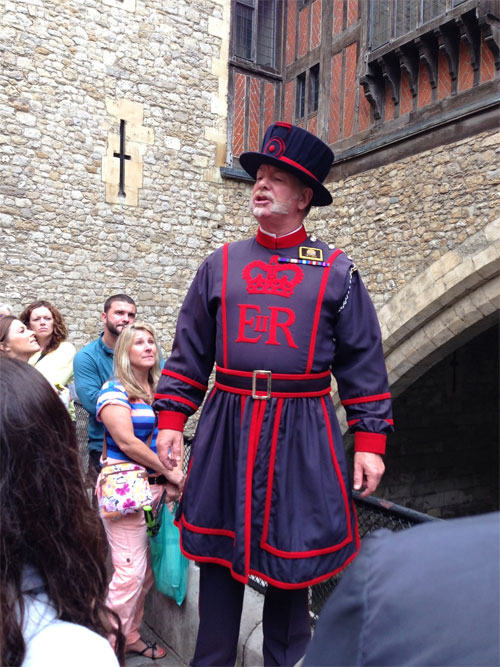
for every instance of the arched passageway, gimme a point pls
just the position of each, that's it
(443, 458)
(441, 338)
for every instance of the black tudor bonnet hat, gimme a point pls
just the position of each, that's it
(295, 150)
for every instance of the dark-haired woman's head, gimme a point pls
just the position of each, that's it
(16, 339)
(47, 323)
(45, 516)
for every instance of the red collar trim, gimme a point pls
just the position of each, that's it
(287, 241)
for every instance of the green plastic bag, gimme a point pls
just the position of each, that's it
(170, 566)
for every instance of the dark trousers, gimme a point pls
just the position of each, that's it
(94, 467)
(285, 621)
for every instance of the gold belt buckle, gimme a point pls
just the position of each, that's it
(267, 395)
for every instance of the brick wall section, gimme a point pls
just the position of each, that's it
(364, 118)
(290, 32)
(239, 114)
(443, 458)
(336, 98)
(487, 63)
(338, 16)
(304, 31)
(312, 125)
(405, 96)
(444, 78)
(352, 12)
(254, 114)
(269, 93)
(465, 71)
(389, 104)
(288, 110)
(424, 87)
(350, 88)
(316, 23)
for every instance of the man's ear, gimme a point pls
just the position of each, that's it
(305, 198)
(103, 317)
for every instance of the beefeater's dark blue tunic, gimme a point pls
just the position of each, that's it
(268, 490)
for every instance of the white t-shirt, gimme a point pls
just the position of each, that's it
(50, 641)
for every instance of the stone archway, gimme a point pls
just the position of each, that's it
(447, 304)
(440, 335)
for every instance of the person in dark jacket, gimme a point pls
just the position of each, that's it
(426, 596)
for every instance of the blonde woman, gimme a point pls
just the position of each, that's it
(124, 407)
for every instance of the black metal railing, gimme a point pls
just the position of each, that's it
(373, 514)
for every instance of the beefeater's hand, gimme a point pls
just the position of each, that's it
(170, 447)
(368, 471)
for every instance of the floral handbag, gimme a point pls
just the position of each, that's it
(122, 488)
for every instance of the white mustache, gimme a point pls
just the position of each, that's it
(267, 195)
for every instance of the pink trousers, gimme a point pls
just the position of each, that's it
(132, 576)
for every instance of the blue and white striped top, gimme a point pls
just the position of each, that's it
(142, 415)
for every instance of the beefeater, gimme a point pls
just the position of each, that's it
(268, 491)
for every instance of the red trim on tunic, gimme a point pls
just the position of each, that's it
(351, 422)
(211, 394)
(317, 311)
(253, 443)
(369, 442)
(172, 420)
(275, 242)
(177, 399)
(306, 554)
(185, 379)
(261, 575)
(366, 399)
(304, 584)
(356, 526)
(225, 261)
(208, 531)
(337, 468)
(270, 474)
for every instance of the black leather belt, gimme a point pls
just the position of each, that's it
(263, 384)
(159, 479)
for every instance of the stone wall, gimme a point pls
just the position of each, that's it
(65, 64)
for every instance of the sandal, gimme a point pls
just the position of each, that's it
(156, 651)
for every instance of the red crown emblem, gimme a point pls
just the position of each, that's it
(262, 278)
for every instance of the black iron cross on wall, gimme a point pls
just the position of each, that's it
(123, 157)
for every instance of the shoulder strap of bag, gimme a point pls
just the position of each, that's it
(105, 446)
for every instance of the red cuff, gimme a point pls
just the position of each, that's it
(369, 442)
(172, 420)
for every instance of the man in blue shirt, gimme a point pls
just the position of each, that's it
(93, 365)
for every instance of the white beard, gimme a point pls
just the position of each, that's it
(279, 207)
